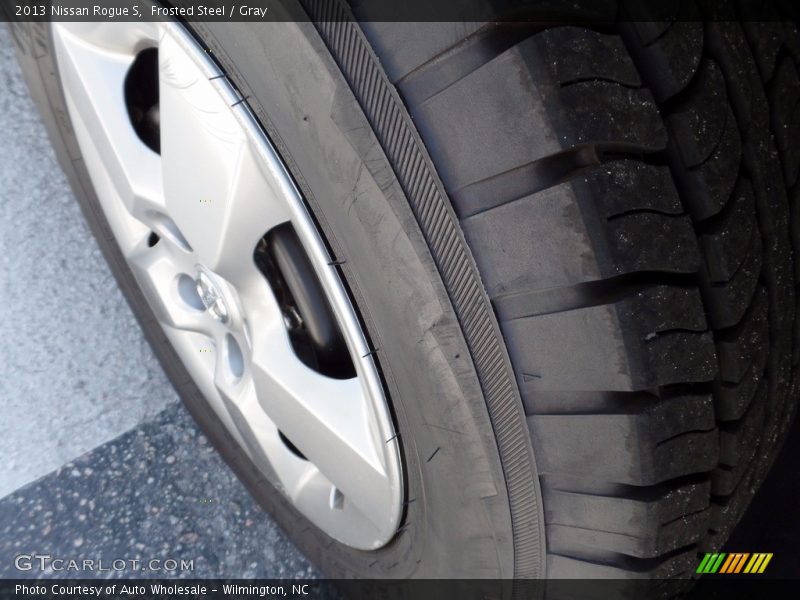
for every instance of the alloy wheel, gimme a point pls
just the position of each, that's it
(229, 259)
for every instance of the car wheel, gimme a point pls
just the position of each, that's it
(277, 269)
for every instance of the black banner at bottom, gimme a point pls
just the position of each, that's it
(418, 589)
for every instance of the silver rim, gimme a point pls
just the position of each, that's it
(187, 221)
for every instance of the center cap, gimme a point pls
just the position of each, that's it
(212, 297)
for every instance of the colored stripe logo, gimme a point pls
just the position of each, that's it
(734, 562)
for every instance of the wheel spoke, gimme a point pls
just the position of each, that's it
(158, 274)
(215, 190)
(254, 428)
(133, 169)
(313, 494)
(329, 420)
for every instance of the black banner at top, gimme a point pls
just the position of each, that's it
(561, 12)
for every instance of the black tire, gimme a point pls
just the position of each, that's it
(630, 198)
